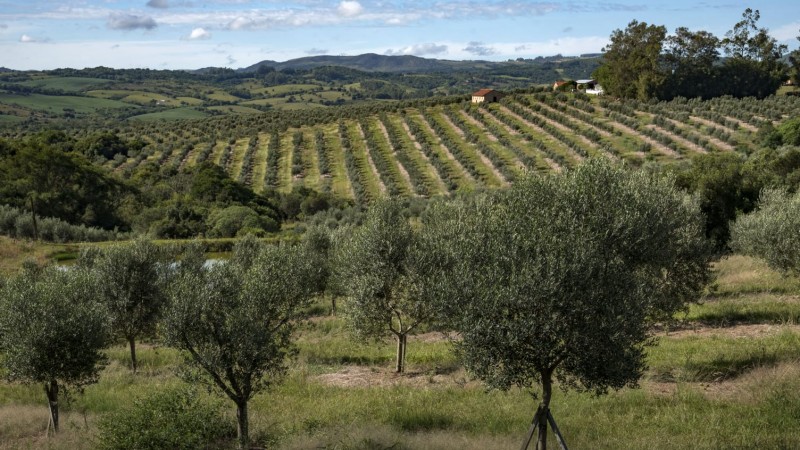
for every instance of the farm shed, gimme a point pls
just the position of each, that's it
(486, 95)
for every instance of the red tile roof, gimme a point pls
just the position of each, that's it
(482, 92)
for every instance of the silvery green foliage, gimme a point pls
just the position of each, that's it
(235, 319)
(52, 328)
(133, 286)
(558, 275)
(772, 232)
(376, 268)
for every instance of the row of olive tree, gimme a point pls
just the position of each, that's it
(233, 320)
(556, 278)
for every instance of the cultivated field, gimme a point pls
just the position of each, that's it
(436, 150)
(726, 376)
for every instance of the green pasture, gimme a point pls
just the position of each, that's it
(235, 109)
(72, 84)
(172, 114)
(58, 103)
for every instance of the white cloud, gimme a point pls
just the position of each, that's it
(349, 8)
(199, 33)
(787, 32)
(316, 51)
(479, 49)
(163, 4)
(419, 50)
(26, 38)
(121, 21)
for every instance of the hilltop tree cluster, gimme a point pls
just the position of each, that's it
(644, 62)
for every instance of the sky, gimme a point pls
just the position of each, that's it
(191, 34)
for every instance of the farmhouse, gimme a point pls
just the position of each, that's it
(486, 95)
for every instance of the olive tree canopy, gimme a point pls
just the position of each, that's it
(235, 319)
(556, 277)
(377, 267)
(772, 232)
(52, 330)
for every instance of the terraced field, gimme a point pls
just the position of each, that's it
(436, 150)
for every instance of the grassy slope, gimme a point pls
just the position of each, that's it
(705, 389)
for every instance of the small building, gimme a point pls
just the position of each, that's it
(486, 95)
(586, 84)
(559, 83)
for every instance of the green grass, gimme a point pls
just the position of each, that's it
(705, 388)
(57, 103)
(236, 109)
(171, 114)
(73, 84)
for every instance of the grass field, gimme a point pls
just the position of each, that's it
(58, 103)
(729, 382)
(172, 114)
(73, 84)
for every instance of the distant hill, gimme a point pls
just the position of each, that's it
(371, 62)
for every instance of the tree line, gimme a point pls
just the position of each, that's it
(643, 62)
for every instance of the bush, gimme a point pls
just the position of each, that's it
(175, 419)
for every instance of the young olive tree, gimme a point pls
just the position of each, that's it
(772, 232)
(235, 319)
(52, 331)
(376, 267)
(133, 281)
(555, 279)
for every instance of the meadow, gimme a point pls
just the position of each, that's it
(723, 375)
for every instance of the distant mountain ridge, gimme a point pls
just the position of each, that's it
(371, 62)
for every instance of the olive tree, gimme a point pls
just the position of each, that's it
(376, 269)
(52, 331)
(556, 278)
(235, 319)
(772, 232)
(133, 287)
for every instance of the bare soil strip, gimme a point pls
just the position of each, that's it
(562, 127)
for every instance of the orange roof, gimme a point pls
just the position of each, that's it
(483, 92)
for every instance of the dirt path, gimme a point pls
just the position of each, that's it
(735, 331)
(600, 131)
(474, 121)
(710, 123)
(743, 124)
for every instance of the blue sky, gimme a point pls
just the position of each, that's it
(189, 34)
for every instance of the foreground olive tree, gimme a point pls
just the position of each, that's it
(556, 278)
(235, 319)
(376, 268)
(133, 286)
(772, 232)
(52, 331)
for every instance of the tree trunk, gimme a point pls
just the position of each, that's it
(132, 343)
(401, 353)
(333, 305)
(51, 390)
(35, 226)
(547, 391)
(242, 431)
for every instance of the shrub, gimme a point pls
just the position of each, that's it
(175, 419)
